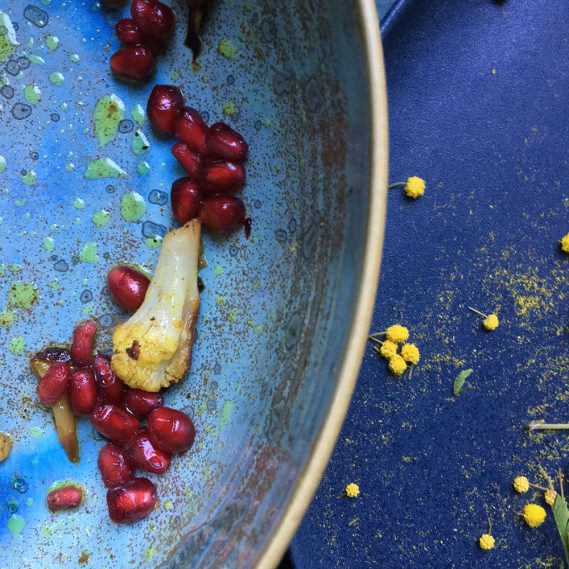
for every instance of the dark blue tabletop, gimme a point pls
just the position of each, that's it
(479, 107)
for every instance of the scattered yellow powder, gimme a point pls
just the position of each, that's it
(486, 542)
(534, 515)
(414, 187)
(565, 243)
(397, 334)
(521, 484)
(397, 365)
(352, 490)
(388, 349)
(410, 353)
(491, 322)
(550, 496)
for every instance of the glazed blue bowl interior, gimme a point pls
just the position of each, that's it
(276, 310)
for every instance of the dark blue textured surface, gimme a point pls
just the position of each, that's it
(493, 147)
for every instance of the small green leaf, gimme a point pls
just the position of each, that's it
(561, 515)
(460, 380)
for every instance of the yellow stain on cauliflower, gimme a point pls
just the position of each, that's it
(564, 243)
(352, 490)
(521, 484)
(486, 542)
(414, 187)
(533, 515)
(397, 334)
(397, 365)
(410, 353)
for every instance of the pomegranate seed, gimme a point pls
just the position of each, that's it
(82, 391)
(54, 383)
(218, 177)
(164, 106)
(185, 198)
(225, 143)
(223, 213)
(83, 343)
(111, 388)
(140, 403)
(171, 430)
(132, 501)
(114, 466)
(64, 498)
(133, 63)
(154, 18)
(114, 423)
(127, 286)
(192, 129)
(142, 452)
(188, 159)
(128, 32)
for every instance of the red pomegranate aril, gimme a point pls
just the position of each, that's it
(132, 501)
(223, 214)
(191, 129)
(82, 390)
(128, 32)
(114, 423)
(188, 159)
(111, 388)
(127, 286)
(54, 383)
(219, 177)
(145, 455)
(171, 430)
(114, 466)
(164, 106)
(185, 198)
(133, 63)
(225, 143)
(64, 498)
(84, 343)
(140, 403)
(154, 18)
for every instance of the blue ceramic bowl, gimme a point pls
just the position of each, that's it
(284, 314)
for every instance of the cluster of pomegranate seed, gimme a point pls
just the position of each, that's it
(118, 412)
(212, 157)
(144, 36)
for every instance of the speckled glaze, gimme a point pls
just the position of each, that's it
(277, 320)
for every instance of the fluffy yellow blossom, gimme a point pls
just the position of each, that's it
(388, 349)
(410, 353)
(521, 484)
(414, 187)
(397, 334)
(397, 365)
(486, 542)
(534, 515)
(352, 490)
(565, 243)
(491, 322)
(550, 496)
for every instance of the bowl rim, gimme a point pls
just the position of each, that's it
(311, 474)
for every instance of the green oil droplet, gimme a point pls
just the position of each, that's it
(7, 318)
(53, 285)
(46, 2)
(36, 59)
(133, 207)
(153, 242)
(48, 244)
(140, 144)
(32, 93)
(267, 123)
(17, 345)
(89, 309)
(218, 271)
(226, 413)
(2, 164)
(226, 48)
(36, 432)
(78, 203)
(29, 178)
(52, 42)
(103, 168)
(138, 114)
(64, 106)
(22, 295)
(69, 167)
(101, 218)
(57, 78)
(15, 525)
(29, 502)
(89, 253)
(74, 58)
(109, 112)
(20, 202)
(30, 43)
(15, 269)
(26, 216)
(8, 41)
(230, 109)
(143, 168)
